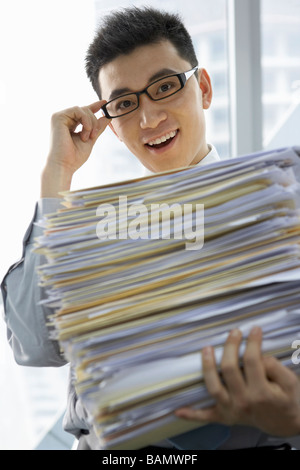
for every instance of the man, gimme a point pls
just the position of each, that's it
(153, 95)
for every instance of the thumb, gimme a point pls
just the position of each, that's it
(102, 122)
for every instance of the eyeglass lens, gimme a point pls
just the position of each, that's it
(157, 91)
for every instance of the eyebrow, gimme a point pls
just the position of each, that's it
(122, 91)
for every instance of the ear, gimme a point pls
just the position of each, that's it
(113, 129)
(206, 88)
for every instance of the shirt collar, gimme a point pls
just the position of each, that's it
(211, 157)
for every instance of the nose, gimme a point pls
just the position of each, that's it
(152, 113)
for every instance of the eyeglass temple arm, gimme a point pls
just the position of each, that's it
(190, 72)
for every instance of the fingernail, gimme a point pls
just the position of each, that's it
(207, 352)
(236, 333)
(256, 330)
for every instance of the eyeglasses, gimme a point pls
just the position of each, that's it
(156, 91)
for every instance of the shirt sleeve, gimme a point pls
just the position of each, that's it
(26, 318)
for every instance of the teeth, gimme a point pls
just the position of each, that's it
(162, 139)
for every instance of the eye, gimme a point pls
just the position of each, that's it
(125, 104)
(166, 87)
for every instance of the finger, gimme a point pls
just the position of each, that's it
(95, 107)
(92, 131)
(90, 124)
(101, 126)
(205, 415)
(84, 117)
(253, 364)
(280, 374)
(101, 122)
(94, 127)
(211, 376)
(230, 365)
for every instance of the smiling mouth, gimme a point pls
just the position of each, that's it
(163, 141)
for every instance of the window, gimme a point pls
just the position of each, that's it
(280, 26)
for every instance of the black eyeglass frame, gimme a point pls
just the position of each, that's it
(183, 78)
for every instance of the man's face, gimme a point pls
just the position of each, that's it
(180, 115)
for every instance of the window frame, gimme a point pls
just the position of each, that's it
(245, 76)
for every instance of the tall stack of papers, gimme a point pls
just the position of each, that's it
(133, 311)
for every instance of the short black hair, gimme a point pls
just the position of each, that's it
(123, 30)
